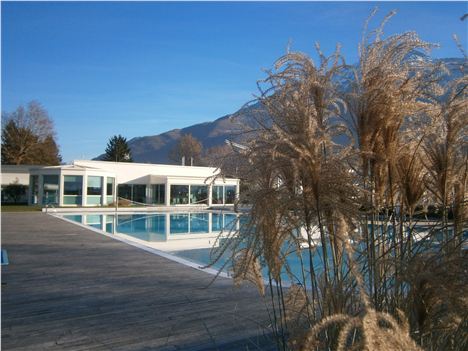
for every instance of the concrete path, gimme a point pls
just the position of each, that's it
(69, 288)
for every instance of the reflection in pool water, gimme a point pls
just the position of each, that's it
(159, 227)
(191, 236)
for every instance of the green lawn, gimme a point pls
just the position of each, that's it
(20, 208)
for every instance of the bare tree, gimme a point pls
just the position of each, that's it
(189, 148)
(28, 136)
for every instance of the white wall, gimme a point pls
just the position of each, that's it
(136, 173)
(128, 172)
(13, 174)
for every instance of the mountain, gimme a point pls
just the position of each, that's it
(156, 148)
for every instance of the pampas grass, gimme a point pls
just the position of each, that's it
(355, 207)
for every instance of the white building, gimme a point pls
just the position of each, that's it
(98, 183)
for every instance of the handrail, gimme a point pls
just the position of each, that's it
(47, 205)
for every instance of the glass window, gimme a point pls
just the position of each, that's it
(217, 194)
(110, 186)
(72, 200)
(125, 191)
(230, 194)
(94, 185)
(159, 194)
(51, 182)
(198, 194)
(179, 194)
(72, 190)
(94, 190)
(72, 185)
(139, 193)
(50, 187)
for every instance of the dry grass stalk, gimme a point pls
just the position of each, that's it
(299, 179)
(393, 336)
(446, 152)
(438, 299)
(296, 303)
(246, 267)
(298, 312)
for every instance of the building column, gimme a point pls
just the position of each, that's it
(40, 189)
(85, 190)
(168, 193)
(210, 193)
(104, 191)
(61, 187)
(116, 188)
(149, 194)
(30, 189)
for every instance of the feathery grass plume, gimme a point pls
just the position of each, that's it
(446, 152)
(388, 90)
(382, 332)
(311, 342)
(297, 310)
(411, 175)
(437, 302)
(296, 302)
(375, 331)
(246, 267)
(349, 213)
(297, 175)
(378, 330)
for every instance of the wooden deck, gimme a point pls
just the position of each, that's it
(69, 288)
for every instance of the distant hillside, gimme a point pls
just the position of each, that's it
(155, 148)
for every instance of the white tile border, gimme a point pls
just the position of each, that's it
(157, 209)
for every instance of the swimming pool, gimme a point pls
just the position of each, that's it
(191, 237)
(159, 227)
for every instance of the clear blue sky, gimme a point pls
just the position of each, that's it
(106, 68)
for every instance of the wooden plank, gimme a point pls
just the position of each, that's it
(69, 288)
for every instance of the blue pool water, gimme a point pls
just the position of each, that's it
(162, 227)
(298, 262)
(158, 227)
(295, 262)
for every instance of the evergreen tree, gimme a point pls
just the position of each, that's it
(47, 153)
(14, 192)
(117, 150)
